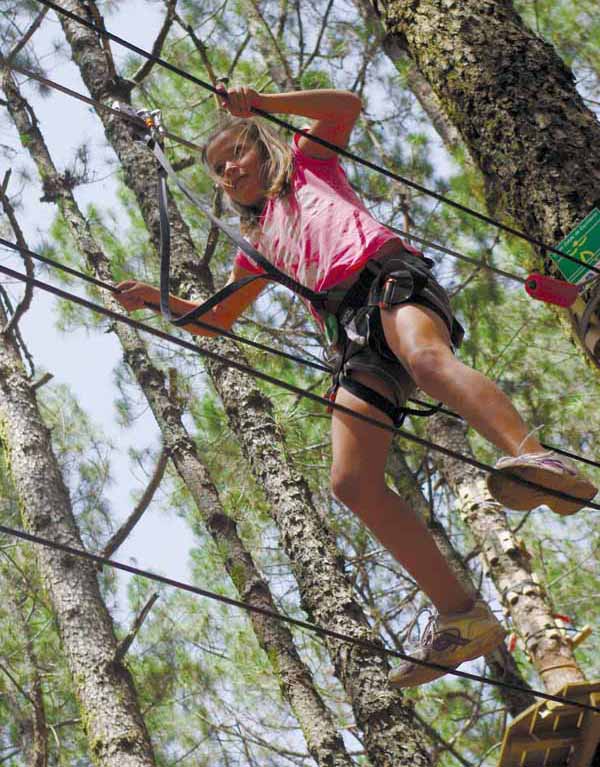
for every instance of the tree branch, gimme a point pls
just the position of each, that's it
(98, 19)
(238, 54)
(123, 532)
(148, 64)
(23, 692)
(291, 80)
(127, 641)
(28, 35)
(27, 296)
(202, 50)
(213, 235)
(315, 52)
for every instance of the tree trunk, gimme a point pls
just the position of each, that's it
(419, 86)
(516, 107)
(324, 742)
(505, 560)
(113, 723)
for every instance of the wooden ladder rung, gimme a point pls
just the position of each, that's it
(563, 739)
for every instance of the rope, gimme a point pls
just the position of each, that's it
(319, 630)
(340, 150)
(254, 344)
(306, 394)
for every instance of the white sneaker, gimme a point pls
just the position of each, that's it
(549, 470)
(450, 640)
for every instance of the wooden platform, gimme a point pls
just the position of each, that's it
(551, 734)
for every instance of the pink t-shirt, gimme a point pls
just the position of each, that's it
(320, 232)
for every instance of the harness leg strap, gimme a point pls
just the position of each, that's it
(394, 412)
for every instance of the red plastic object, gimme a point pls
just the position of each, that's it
(550, 290)
(564, 618)
(512, 642)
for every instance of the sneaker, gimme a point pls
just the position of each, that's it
(450, 640)
(548, 469)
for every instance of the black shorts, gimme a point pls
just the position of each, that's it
(363, 347)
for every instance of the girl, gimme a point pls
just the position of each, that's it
(397, 332)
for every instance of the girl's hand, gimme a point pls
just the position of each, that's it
(134, 295)
(238, 101)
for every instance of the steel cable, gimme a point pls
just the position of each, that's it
(304, 393)
(366, 644)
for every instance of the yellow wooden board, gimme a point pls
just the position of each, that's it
(550, 734)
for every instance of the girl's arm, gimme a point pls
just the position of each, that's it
(138, 295)
(333, 111)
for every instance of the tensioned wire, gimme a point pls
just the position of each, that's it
(427, 243)
(339, 150)
(259, 374)
(366, 644)
(241, 339)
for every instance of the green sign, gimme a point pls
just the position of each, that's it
(583, 244)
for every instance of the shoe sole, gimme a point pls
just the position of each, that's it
(480, 646)
(523, 498)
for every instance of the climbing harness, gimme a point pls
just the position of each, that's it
(255, 344)
(381, 287)
(361, 345)
(262, 376)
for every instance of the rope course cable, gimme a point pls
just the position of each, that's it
(341, 151)
(88, 100)
(259, 374)
(242, 339)
(312, 627)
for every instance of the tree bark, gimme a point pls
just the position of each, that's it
(324, 742)
(391, 735)
(418, 84)
(505, 560)
(516, 107)
(113, 723)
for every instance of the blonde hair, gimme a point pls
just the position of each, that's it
(276, 164)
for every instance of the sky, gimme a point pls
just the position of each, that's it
(86, 361)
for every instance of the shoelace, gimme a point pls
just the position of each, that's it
(429, 632)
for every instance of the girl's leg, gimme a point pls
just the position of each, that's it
(359, 458)
(464, 629)
(420, 340)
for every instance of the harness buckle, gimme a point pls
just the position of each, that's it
(387, 294)
(331, 395)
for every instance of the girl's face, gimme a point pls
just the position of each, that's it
(236, 163)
